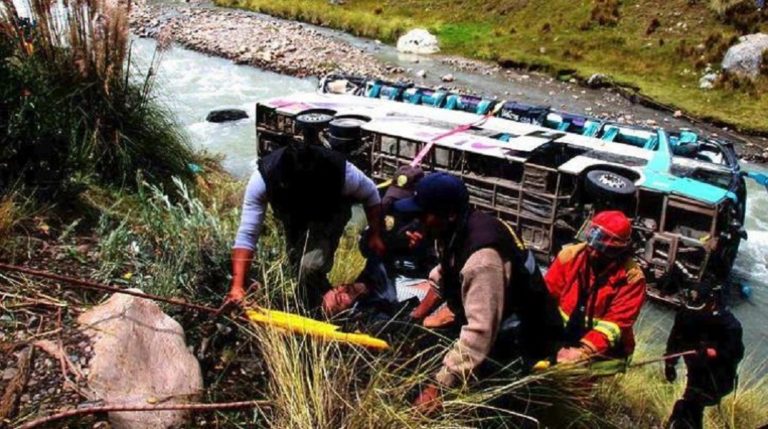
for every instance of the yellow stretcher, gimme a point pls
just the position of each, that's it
(306, 326)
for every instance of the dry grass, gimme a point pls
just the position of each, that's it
(74, 116)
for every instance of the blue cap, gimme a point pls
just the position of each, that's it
(440, 193)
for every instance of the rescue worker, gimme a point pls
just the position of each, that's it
(406, 257)
(310, 189)
(600, 290)
(485, 275)
(703, 324)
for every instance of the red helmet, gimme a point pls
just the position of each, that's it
(610, 232)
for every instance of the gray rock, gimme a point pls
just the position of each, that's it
(9, 373)
(226, 115)
(745, 57)
(421, 73)
(598, 80)
(447, 78)
(140, 353)
(418, 41)
(708, 81)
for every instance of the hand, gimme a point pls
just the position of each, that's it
(236, 294)
(571, 355)
(414, 238)
(376, 245)
(670, 373)
(430, 401)
(709, 353)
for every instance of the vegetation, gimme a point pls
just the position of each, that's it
(642, 395)
(71, 113)
(75, 124)
(660, 48)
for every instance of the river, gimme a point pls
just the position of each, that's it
(192, 84)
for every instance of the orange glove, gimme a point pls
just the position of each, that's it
(241, 261)
(425, 307)
(430, 400)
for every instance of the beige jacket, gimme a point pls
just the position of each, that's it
(483, 280)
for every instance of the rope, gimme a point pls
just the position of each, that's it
(461, 128)
(136, 408)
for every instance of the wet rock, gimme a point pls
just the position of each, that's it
(708, 81)
(421, 73)
(678, 114)
(447, 78)
(745, 57)
(139, 354)
(418, 41)
(226, 115)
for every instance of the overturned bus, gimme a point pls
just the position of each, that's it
(542, 171)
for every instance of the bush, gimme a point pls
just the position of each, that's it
(606, 13)
(170, 244)
(71, 114)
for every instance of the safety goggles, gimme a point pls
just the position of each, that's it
(605, 242)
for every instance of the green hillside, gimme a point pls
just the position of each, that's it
(660, 48)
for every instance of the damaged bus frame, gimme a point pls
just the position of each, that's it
(544, 172)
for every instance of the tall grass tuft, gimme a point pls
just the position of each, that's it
(72, 115)
(170, 243)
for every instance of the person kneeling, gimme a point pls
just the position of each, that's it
(600, 290)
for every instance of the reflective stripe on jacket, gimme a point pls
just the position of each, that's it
(614, 310)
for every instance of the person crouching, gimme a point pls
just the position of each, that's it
(485, 275)
(600, 290)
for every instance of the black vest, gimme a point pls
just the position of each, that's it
(526, 295)
(304, 185)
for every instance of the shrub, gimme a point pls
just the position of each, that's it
(652, 26)
(606, 13)
(71, 112)
(170, 244)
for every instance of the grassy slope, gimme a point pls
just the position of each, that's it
(514, 32)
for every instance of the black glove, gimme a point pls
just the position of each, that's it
(670, 373)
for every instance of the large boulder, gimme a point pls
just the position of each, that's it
(418, 41)
(745, 57)
(226, 115)
(140, 357)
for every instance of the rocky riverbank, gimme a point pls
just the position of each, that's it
(302, 50)
(248, 38)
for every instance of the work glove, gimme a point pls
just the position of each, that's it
(707, 353)
(425, 307)
(429, 401)
(670, 373)
(241, 261)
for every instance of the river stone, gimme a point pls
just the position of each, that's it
(745, 57)
(140, 355)
(226, 115)
(418, 41)
(708, 81)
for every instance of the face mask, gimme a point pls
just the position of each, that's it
(604, 242)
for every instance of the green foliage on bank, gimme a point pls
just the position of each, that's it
(71, 114)
(661, 48)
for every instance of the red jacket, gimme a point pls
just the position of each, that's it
(617, 304)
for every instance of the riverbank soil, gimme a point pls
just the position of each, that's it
(659, 48)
